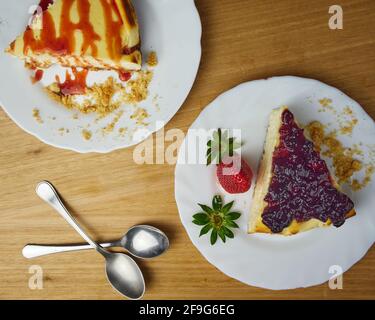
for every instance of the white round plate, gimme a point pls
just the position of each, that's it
(274, 261)
(169, 27)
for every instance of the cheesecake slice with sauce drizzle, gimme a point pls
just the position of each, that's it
(295, 191)
(92, 34)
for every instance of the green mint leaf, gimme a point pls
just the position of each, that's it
(205, 229)
(222, 235)
(227, 207)
(230, 224)
(206, 208)
(199, 223)
(228, 232)
(217, 203)
(209, 159)
(202, 216)
(233, 215)
(213, 237)
(218, 220)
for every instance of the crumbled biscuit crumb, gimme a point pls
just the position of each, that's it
(109, 128)
(86, 134)
(326, 105)
(347, 121)
(358, 185)
(343, 160)
(152, 59)
(36, 116)
(325, 102)
(62, 131)
(122, 131)
(105, 98)
(140, 115)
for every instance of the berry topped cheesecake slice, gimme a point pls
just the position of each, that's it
(295, 191)
(92, 34)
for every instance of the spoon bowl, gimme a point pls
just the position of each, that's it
(141, 241)
(145, 242)
(125, 276)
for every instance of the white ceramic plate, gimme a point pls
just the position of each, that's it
(172, 28)
(274, 261)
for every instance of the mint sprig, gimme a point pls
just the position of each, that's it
(219, 219)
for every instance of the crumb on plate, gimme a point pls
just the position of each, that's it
(139, 116)
(152, 59)
(109, 128)
(86, 134)
(104, 98)
(36, 115)
(325, 102)
(343, 160)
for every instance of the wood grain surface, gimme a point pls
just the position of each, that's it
(242, 40)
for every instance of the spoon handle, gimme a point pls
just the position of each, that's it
(34, 250)
(47, 192)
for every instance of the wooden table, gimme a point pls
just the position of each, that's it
(242, 40)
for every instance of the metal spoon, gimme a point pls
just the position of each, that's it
(122, 272)
(141, 241)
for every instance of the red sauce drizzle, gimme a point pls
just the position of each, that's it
(124, 75)
(73, 86)
(113, 35)
(37, 76)
(44, 4)
(64, 44)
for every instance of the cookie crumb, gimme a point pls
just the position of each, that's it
(109, 128)
(62, 131)
(358, 185)
(106, 97)
(122, 131)
(86, 134)
(348, 124)
(344, 163)
(139, 116)
(36, 115)
(152, 59)
(325, 102)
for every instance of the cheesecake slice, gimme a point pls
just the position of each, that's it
(92, 34)
(294, 191)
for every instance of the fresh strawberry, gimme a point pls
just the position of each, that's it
(234, 174)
